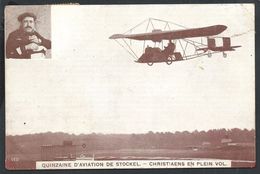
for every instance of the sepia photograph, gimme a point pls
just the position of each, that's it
(28, 32)
(130, 86)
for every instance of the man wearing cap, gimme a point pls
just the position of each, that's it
(26, 42)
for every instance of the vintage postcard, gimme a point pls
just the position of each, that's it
(130, 86)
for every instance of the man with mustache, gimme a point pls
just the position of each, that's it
(26, 43)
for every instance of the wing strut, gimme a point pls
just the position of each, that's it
(133, 55)
(130, 48)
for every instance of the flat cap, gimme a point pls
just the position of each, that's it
(26, 14)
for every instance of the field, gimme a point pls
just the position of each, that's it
(234, 154)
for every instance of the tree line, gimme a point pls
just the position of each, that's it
(31, 143)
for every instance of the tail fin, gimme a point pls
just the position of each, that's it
(211, 43)
(226, 42)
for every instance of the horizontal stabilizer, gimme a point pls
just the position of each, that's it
(222, 49)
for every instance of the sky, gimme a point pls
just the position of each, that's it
(90, 84)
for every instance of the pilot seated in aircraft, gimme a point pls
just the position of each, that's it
(169, 50)
(26, 42)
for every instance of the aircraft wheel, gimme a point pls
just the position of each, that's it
(209, 54)
(150, 63)
(224, 55)
(169, 60)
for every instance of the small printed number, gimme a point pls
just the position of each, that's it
(14, 159)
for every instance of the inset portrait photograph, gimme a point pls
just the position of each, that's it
(28, 32)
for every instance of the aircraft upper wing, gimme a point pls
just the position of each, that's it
(158, 35)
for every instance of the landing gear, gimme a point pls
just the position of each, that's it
(169, 61)
(224, 55)
(150, 63)
(209, 54)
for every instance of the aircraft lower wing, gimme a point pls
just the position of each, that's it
(158, 35)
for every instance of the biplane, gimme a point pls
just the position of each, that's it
(179, 41)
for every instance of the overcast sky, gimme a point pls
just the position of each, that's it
(91, 84)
